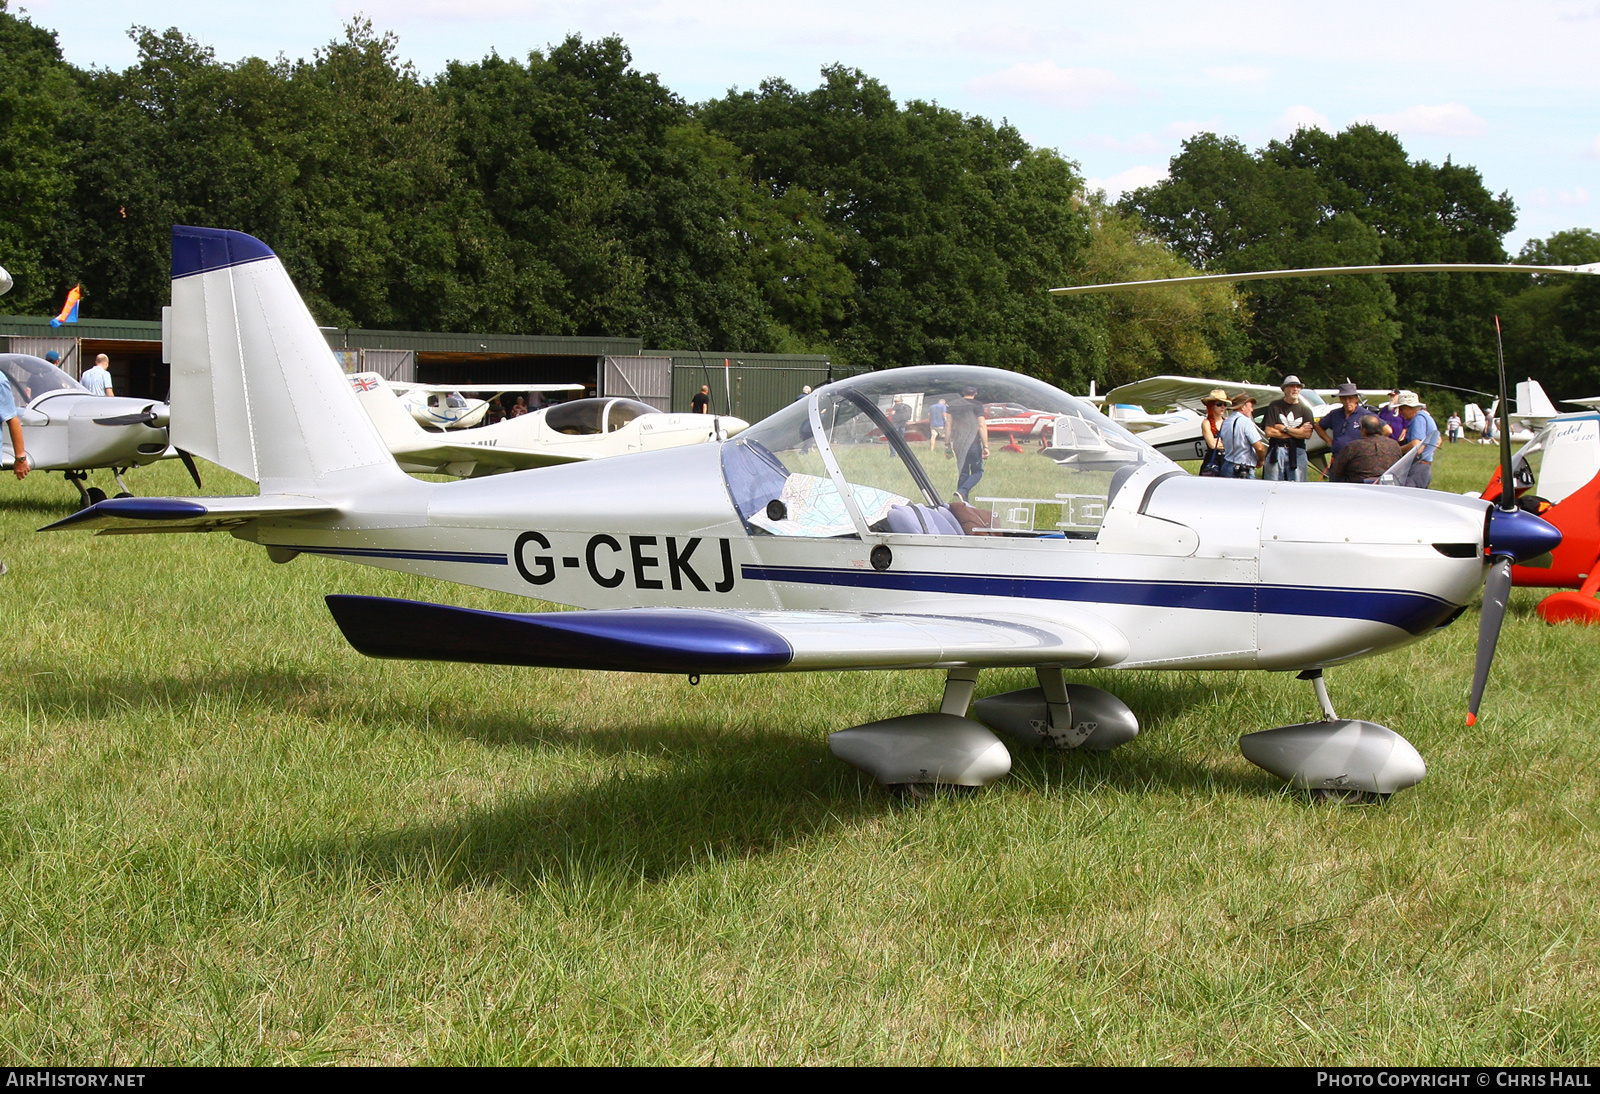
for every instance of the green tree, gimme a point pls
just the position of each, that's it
(38, 98)
(625, 217)
(952, 228)
(1195, 330)
(1226, 210)
(1421, 213)
(1552, 327)
(341, 163)
(1352, 198)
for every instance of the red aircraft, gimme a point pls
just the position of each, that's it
(1557, 476)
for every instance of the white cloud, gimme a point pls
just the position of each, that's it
(1182, 131)
(1048, 83)
(1237, 74)
(1563, 198)
(1131, 179)
(1140, 144)
(1300, 117)
(1443, 120)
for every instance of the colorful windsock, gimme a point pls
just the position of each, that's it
(69, 310)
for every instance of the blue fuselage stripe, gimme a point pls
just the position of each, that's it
(480, 558)
(1411, 611)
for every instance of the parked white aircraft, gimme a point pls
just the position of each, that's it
(808, 543)
(1533, 412)
(66, 428)
(581, 429)
(440, 406)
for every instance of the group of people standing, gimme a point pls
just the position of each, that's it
(1365, 441)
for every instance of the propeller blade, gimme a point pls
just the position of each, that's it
(194, 472)
(144, 417)
(1496, 595)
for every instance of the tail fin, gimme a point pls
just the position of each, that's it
(1532, 402)
(392, 420)
(254, 386)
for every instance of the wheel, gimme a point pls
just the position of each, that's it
(923, 792)
(96, 495)
(124, 494)
(1337, 796)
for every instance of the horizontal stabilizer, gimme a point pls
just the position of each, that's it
(703, 640)
(187, 514)
(675, 640)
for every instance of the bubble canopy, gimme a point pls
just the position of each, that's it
(936, 450)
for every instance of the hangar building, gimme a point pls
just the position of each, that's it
(748, 385)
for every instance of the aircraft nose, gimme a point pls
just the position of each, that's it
(1519, 535)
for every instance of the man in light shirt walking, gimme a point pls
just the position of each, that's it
(98, 378)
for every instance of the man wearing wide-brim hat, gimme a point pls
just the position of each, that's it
(1422, 435)
(1342, 424)
(1242, 442)
(1288, 426)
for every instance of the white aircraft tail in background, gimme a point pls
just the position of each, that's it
(1532, 402)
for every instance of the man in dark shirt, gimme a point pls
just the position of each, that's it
(1288, 423)
(1367, 457)
(701, 403)
(1342, 425)
(969, 437)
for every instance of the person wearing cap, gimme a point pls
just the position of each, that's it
(1288, 424)
(1213, 461)
(1422, 435)
(1242, 442)
(1342, 424)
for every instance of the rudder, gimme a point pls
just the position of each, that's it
(255, 387)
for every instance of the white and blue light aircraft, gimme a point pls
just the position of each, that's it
(820, 539)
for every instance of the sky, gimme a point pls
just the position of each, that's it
(1510, 88)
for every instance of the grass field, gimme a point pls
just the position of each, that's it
(225, 837)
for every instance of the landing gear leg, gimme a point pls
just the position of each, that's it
(959, 685)
(116, 473)
(1320, 686)
(78, 478)
(1058, 725)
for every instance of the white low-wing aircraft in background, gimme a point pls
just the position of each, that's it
(820, 539)
(580, 429)
(67, 428)
(442, 407)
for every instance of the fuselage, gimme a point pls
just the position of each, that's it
(1195, 573)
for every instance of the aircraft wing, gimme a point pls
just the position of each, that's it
(1593, 404)
(434, 450)
(126, 515)
(704, 640)
(501, 389)
(1184, 391)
